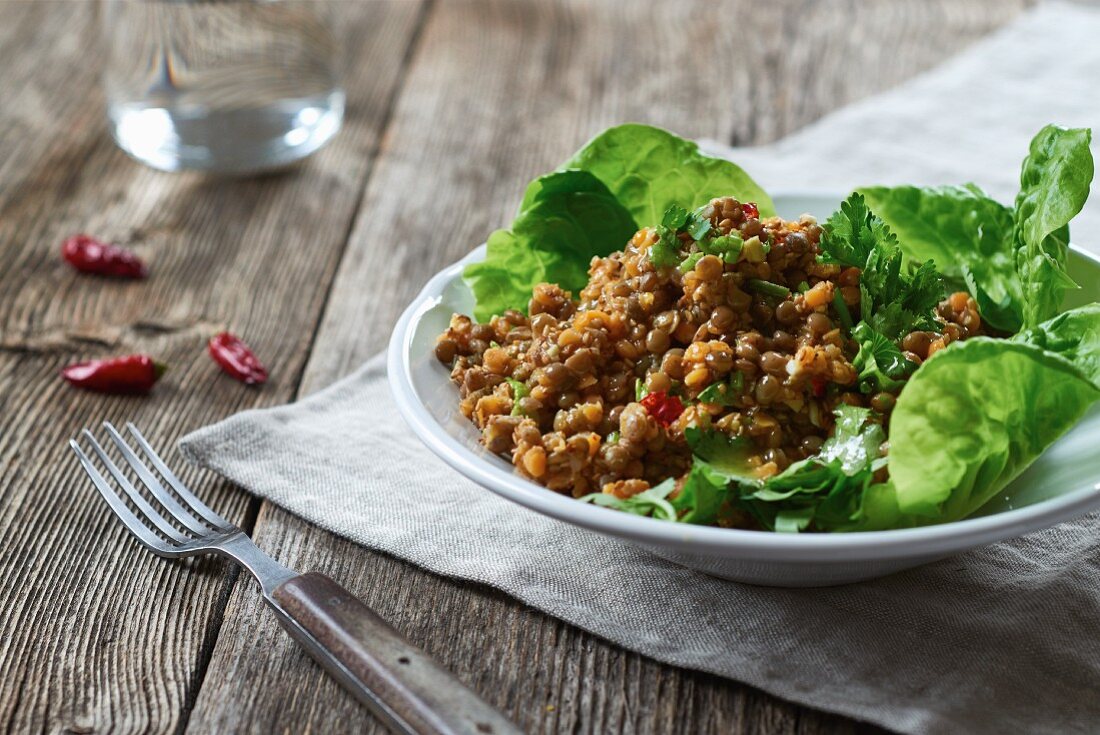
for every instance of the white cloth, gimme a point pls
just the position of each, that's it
(1001, 640)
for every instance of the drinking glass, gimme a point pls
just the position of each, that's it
(229, 86)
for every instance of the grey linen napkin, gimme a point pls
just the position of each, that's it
(1005, 639)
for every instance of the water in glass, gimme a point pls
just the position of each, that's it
(231, 86)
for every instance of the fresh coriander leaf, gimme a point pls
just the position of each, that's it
(852, 233)
(698, 227)
(969, 236)
(666, 251)
(675, 217)
(879, 361)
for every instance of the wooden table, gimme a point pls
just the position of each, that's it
(453, 107)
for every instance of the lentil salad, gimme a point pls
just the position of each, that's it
(726, 367)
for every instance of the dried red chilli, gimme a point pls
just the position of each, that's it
(89, 255)
(236, 358)
(129, 375)
(751, 210)
(663, 407)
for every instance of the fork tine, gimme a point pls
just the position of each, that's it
(158, 490)
(194, 503)
(136, 527)
(143, 505)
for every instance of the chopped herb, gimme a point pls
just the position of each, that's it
(640, 391)
(519, 390)
(698, 227)
(892, 301)
(726, 247)
(612, 438)
(724, 393)
(880, 363)
(768, 288)
(666, 251)
(737, 382)
(842, 310)
(803, 287)
(651, 502)
(675, 217)
(690, 261)
(717, 393)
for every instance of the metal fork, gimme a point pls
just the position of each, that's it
(405, 688)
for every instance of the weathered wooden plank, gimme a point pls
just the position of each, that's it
(99, 635)
(499, 92)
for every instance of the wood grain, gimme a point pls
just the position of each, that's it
(498, 92)
(98, 634)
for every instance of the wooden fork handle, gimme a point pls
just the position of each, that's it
(399, 682)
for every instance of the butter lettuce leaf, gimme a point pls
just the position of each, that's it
(1054, 184)
(976, 414)
(969, 236)
(1011, 260)
(567, 218)
(649, 170)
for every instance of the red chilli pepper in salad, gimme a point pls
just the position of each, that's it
(237, 359)
(89, 255)
(751, 210)
(127, 376)
(663, 407)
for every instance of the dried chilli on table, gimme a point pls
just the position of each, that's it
(236, 358)
(90, 255)
(128, 375)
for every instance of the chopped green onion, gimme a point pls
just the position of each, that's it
(842, 310)
(612, 438)
(737, 382)
(519, 390)
(640, 391)
(690, 261)
(768, 288)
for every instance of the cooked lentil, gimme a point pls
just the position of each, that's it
(581, 424)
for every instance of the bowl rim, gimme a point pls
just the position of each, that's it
(937, 538)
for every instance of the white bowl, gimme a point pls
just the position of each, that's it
(1058, 487)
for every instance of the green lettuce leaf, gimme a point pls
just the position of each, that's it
(1073, 336)
(652, 502)
(1054, 184)
(828, 489)
(649, 170)
(978, 413)
(967, 234)
(567, 218)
